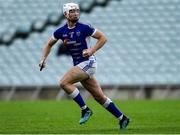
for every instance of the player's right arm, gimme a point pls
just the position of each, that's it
(46, 52)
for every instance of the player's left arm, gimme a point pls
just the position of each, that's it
(101, 40)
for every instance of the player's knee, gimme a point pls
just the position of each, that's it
(63, 84)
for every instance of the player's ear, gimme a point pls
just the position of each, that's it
(65, 14)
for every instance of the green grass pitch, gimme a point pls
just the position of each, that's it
(53, 117)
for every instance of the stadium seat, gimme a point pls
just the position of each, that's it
(142, 48)
(20, 15)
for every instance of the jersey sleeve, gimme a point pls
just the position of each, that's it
(89, 30)
(56, 34)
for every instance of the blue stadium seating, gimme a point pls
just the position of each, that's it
(142, 48)
(24, 15)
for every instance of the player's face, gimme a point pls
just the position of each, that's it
(73, 15)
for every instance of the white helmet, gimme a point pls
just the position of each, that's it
(69, 6)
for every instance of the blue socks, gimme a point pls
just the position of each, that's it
(76, 96)
(110, 106)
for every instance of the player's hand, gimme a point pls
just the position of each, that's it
(42, 64)
(88, 52)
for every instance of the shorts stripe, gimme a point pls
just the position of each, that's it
(91, 63)
(88, 66)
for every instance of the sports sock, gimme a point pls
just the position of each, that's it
(76, 96)
(110, 106)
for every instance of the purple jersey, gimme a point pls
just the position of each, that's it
(75, 40)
